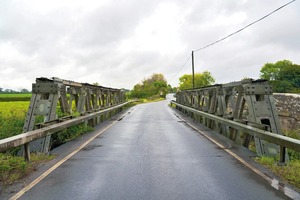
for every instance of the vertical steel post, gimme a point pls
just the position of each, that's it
(26, 152)
(283, 153)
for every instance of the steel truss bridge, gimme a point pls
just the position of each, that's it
(242, 111)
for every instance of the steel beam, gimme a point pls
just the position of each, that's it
(49, 93)
(248, 100)
(25, 138)
(265, 135)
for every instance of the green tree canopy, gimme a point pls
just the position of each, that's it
(270, 71)
(291, 74)
(283, 75)
(154, 85)
(201, 80)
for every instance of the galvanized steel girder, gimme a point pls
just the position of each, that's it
(248, 101)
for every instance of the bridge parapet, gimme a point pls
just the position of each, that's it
(248, 102)
(288, 106)
(72, 96)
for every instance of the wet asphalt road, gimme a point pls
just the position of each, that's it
(151, 154)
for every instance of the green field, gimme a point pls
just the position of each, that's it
(13, 108)
(12, 117)
(7, 97)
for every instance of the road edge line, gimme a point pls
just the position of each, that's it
(273, 182)
(46, 173)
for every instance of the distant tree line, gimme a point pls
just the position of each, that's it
(284, 76)
(156, 85)
(2, 90)
(200, 80)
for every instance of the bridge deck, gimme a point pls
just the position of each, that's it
(152, 154)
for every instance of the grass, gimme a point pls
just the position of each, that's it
(14, 109)
(293, 134)
(69, 134)
(7, 97)
(172, 105)
(12, 117)
(13, 168)
(154, 98)
(289, 173)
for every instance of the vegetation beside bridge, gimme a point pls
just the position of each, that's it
(156, 86)
(9, 97)
(284, 76)
(153, 87)
(290, 171)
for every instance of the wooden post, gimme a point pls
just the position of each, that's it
(193, 70)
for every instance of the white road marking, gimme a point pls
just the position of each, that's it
(45, 174)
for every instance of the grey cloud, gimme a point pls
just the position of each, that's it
(110, 24)
(84, 46)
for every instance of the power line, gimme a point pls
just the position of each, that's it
(181, 67)
(217, 41)
(211, 44)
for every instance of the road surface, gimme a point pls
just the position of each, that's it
(152, 154)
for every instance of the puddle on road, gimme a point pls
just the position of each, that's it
(121, 118)
(91, 147)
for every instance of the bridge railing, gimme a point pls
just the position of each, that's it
(30, 136)
(92, 102)
(240, 111)
(283, 141)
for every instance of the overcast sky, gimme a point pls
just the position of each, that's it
(117, 43)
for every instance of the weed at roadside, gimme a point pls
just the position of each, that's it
(69, 134)
(290, 172)
(13, 168)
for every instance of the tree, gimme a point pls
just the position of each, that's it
(282, 86)
(270, 71)
(171, 89)
(154, 85)
(24, 91)
(284, 76)
(291, 74)
(154, 78)
(201, 80)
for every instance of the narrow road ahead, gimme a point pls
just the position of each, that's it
(151, 154)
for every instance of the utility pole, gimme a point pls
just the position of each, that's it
(193, 70)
